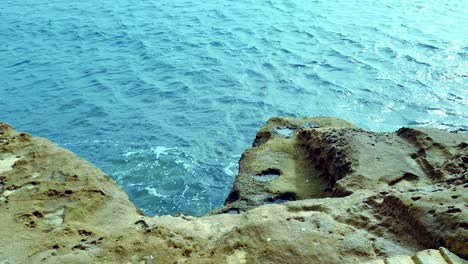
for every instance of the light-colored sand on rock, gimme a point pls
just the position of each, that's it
(312, 190)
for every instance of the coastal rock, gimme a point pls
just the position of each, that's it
(310, 190)
(334, 158)
(429, 256)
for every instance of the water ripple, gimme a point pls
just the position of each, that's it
(166, 95)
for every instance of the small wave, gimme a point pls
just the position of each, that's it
(19, 63)
(154, 192)
(428, 46)
(413, 59)
(437, 112)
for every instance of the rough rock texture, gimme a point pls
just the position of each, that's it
(358, 196)
(429, 256)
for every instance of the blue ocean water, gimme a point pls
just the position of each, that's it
(164, 96)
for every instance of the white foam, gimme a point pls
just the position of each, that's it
(229, 169)
(153, 192)
(185, 190)
(438, 112)
(160, 150)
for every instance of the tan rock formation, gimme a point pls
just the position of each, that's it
(429, 256)
(359, 196)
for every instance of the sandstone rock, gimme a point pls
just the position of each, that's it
(335, 159)
(429, 256)
(312, 190)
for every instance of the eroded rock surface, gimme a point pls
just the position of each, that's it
(411, 184)
(428, 256)
(313, 190)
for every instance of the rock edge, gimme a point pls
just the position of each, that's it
(312, 190)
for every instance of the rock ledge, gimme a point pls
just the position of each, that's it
(310, 190)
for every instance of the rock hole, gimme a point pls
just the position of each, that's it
(261, 138)
(55, 247)
(233, 196)
(455, 196)
(432, 211)
(297, 218)
(24, 217)
(406, 177)
(284, 131)
(37, 214)
(268, 175)
(79, 247)
(85, 233)
(232, 211)
(415, 198)
(100, 192)
(310, 125)
(282, 198)
(12, 187)
(31, 224)
(141, 224)
(453, 210)
(52, 192)
(187, 253)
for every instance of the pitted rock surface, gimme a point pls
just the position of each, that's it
(330, 193)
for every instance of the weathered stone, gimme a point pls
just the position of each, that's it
(413, 172)
(328, 193)
(429, 256)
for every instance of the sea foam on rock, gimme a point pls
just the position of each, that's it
(310, 190)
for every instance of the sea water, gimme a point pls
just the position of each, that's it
(164, 95)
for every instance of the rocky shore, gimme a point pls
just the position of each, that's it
(310, 190)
